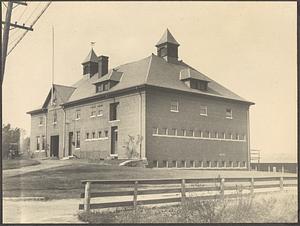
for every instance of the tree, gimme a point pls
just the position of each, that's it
(132, 146)
(9, 136)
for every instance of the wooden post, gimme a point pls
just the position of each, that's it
(281, 183)
(182, 190)
(87, 196)
(222, 182)
(135, 194)
(252, 186)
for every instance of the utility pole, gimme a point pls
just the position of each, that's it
(7, 24)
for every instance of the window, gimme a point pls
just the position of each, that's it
(192, 163)
(77, 114)
(100, 88)
(203, 110)
(77, 145)
(43, 142)
(105, 86)
(201, 133)
(216, 135)
(228, 113)
(38, 143)
(174, 163)
(54, 117)
(113, 111)
(165, 131)
(87, 136)
(106, 133)
(206, 134)
(173, 132)
(190, 133)
(93, 111)
(99, 134)
(237, 136)
(231, 137)
(230, 163)
(223, 135)
(174, 106)
(155, 163)
(183, 132)
(100, 110)
(208, 164)
(41, 121)
(165, 164)
(243, 137)
(155, 131)
(93, 135)
(202, 85)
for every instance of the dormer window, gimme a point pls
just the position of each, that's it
(194, 79)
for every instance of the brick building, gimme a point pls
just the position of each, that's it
(184, 118)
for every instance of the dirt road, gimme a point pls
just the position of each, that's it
(54, 211)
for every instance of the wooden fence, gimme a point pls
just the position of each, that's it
(181, 186)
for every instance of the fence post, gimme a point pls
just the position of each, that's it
(135, 193)
(87, 196)
(252, 186)
(182, 190)
(222, 182)
(281, 183)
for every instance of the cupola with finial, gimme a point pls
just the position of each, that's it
(167, 47)
(90, 64)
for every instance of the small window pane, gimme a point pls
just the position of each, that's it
(203, 110)
(228, 113)
(174, 106)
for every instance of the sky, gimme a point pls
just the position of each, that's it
(248, 47)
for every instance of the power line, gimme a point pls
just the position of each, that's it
(33, 23)
(32, 13)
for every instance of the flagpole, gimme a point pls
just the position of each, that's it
(52, 79)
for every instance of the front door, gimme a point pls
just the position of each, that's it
(114, 140)
(71, 146)
(54, 146)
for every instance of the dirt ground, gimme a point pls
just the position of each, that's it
(54, 211)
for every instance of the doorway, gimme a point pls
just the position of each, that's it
(114, 140)
(71, 144)
(54, 146)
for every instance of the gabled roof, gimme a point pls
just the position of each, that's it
(167, 38)
(153, 71)
(112, 75)
(91, 57)
(189, 73)
(63, 92)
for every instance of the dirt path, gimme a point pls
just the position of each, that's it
(54, 211)
(45, 164)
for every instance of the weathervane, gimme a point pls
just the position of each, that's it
(93, 44)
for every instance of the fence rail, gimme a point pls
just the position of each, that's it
(184, 186)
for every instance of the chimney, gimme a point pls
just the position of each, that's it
(102, 65)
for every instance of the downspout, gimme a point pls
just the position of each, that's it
(46, 148)
(64, 129)
(248, 138)
(140, 123)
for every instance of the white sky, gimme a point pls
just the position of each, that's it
(249, 47)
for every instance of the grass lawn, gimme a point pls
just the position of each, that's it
(18, 163)
(64, 181)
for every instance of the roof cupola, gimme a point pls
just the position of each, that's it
(90, 64)
(167, 47)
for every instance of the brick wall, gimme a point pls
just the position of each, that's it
(174, 148)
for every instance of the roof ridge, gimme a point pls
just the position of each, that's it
(149, 66)
(64, 86)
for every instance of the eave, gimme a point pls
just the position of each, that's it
(37, 111)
